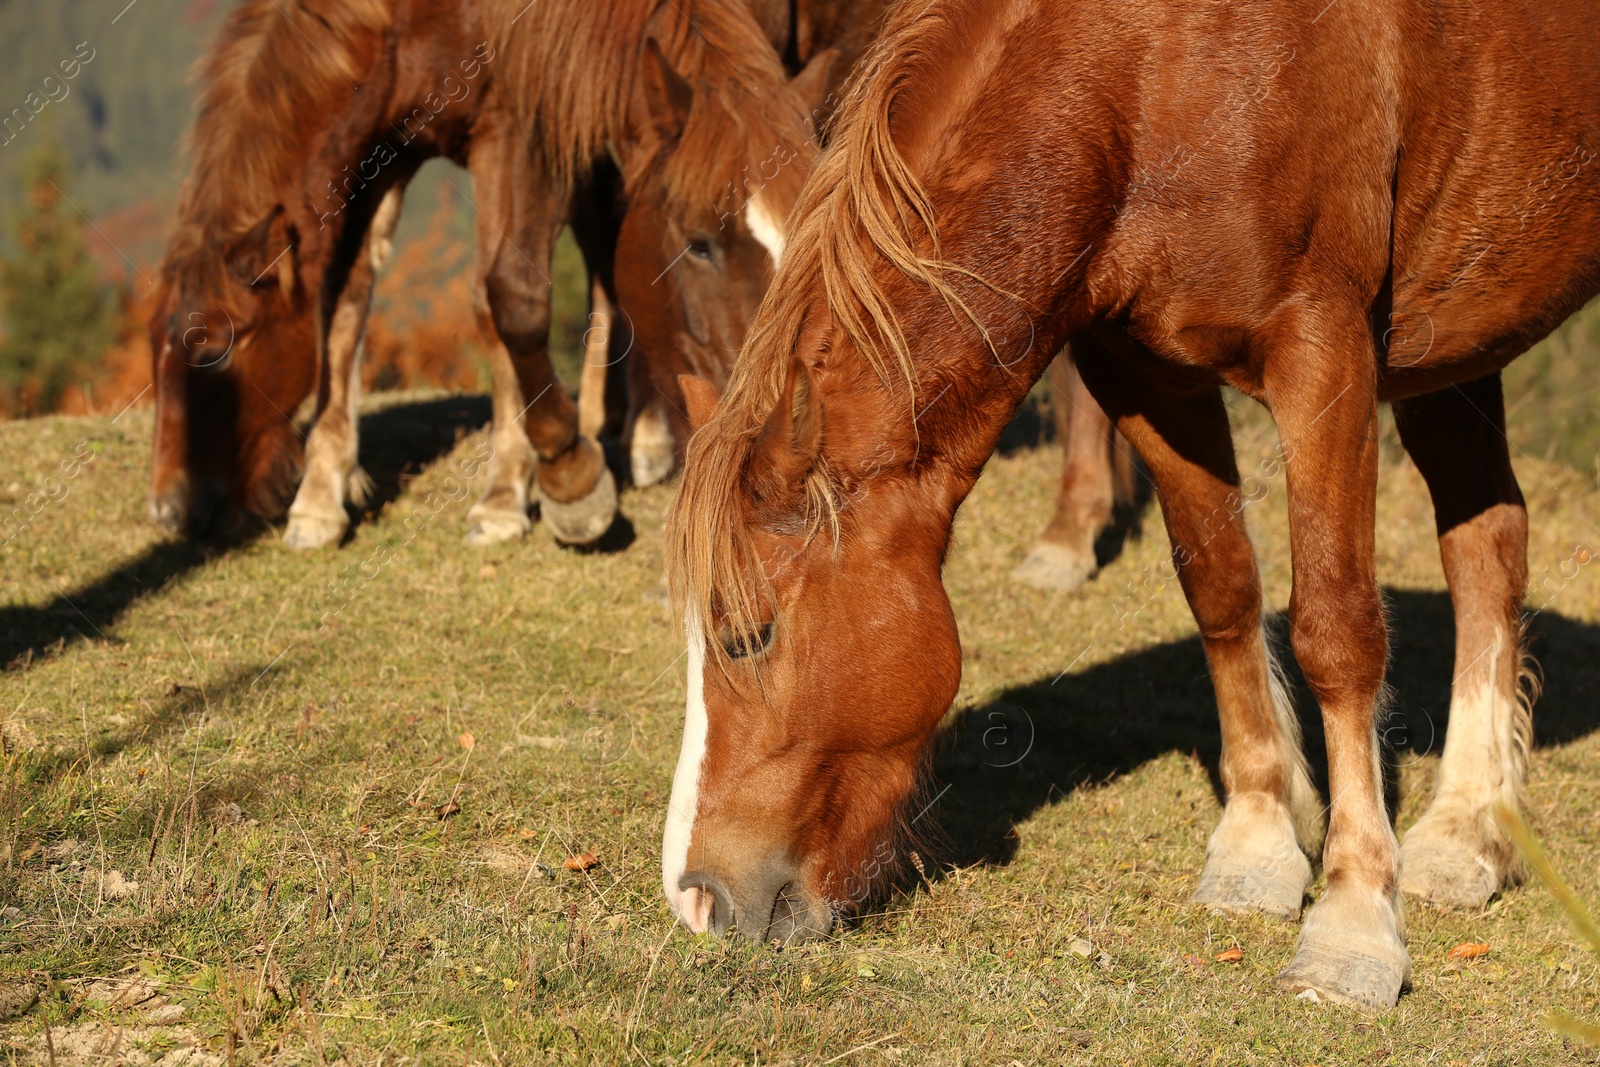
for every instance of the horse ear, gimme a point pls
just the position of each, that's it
(667, 93)
(814, 84)
(790, 442)
(263, 249)
(701, 398)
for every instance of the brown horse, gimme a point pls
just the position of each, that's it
(536, 166)
(237, 284)
(822, 40)
(1192, 196)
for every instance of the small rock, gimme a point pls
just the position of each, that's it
(165, 1015)
(1081, 947)
(10, 914)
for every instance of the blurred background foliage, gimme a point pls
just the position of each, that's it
(75, 288)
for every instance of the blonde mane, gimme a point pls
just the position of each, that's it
(862, 204)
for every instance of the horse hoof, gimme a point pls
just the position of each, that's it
(1052, 566)
(652, 448)
(1346, 976)
(360, 488)
(1443, 869)
(495, 527)
(585, 520)
(1351, 951)
(314, 531)
(1266, 888)
(650, 465)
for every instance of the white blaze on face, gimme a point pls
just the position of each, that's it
(766, 228)
(692, 907)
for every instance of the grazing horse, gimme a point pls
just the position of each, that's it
(1280, 197)
(822, 40)
(498, 88)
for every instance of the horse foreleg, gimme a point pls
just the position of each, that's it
(535, 437)
(1455, 854)
(1256, 860)
(1322, 391)
(318, 516)
(1064, 556)
(596, 361)
(652, 446)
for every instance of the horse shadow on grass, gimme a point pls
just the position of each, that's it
(1002, 761)
(397, 443)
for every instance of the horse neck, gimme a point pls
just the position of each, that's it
(1012, 255)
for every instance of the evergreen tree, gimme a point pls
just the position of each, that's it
(58, 315)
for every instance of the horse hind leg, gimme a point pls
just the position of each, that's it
(1063, 557)
(333, 476)
(535, 438)
(1256, 861)
(1455, 854)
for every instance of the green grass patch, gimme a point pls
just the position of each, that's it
(237, 826)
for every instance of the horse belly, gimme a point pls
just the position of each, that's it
(1497, 207)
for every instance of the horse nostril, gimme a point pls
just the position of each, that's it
(707, 905)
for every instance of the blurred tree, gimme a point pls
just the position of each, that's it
(59, 318)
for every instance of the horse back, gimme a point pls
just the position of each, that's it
(1440, 160)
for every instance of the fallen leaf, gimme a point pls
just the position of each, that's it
(486, 571)
(1468, 950)
(447, 809)
(581, 862)
(1194, 961)
(467, 741)
(1232, 955)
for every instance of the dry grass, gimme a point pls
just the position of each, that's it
(239, 826)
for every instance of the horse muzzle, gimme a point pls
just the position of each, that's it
(770, 905)
(184, 509)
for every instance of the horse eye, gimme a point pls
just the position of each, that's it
(700, 248)
(744, 645)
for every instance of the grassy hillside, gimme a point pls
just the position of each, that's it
(239, 824)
